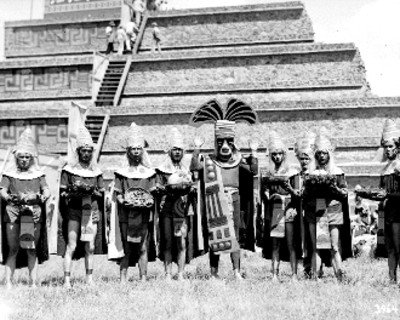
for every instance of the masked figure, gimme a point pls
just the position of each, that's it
(131, 223)
(177, 218)
(326, 210)
(23, 217)
(389, 194)
(226, 183)
(282, 230)
(81, 208)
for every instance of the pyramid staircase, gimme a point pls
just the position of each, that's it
(113, 82)
(97, 126)
(116, 74)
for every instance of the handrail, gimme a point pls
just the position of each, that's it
(101, 68)
(100, 141)
(141, 32)
(122, 80)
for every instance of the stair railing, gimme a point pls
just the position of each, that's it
(100, 65)
(100, 141)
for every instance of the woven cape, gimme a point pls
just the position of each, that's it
(62, 234)
(193, 239)
(267, 239)
(22, 259)
(115, 246)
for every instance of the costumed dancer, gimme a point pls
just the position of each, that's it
(134, 185)
(23, 216)
(81, 208)
(327, 212)
(389, 195)
(176, 207)
(280, 185)
(227, 180)
(304, 150)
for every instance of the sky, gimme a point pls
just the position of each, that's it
(370, 24)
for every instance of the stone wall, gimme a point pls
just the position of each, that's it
(50, 134)
(41, 37)
(248, 72)
(269, 23)
(82, 9)
(51, 82)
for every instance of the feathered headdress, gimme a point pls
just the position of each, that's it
(322, 141)
(135, 137)
(26, 143)
(176, 139)
(224, 118)
(305, 144)
(275, 142)
(390, 131)
(84, 139)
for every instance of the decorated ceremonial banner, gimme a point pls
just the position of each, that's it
(278, 216)
(323, 234)
(27, 229)
(87, 226)
(219, 211)
(76, 119)
(115, 248)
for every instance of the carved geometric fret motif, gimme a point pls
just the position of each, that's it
(55, 38)
(46, 132)
(40, 79)
(56, 6)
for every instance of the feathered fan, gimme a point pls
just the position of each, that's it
(212, 111)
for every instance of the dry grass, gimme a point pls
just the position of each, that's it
(365, 294)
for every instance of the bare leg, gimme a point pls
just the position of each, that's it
(137, 18)
(235, 258)
(89, 252)
(166, 224)
(143, 260)
(396, 249)
(12, 233)
(32, 257)
(335, 253)
(73, 227)
(275, 259)
(127, 251)
(214, 262)
(289, 234)
(181, 256)
(316, 259)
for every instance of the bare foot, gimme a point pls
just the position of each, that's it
(238, 276)
(275, 278)
(143, 278)
(168, 277)
(180, 276)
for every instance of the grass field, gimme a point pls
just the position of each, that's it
(366, 293)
